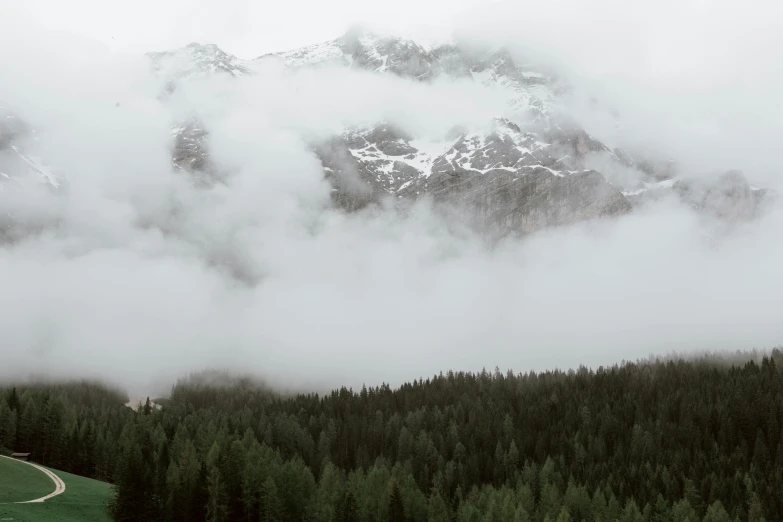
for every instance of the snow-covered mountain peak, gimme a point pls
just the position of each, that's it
(530, 91)
(531, 168)
(18, 161)
(321, 53)
(197, 60)
(362, 50)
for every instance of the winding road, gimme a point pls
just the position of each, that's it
(59, 485)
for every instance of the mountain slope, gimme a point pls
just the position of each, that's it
(498, 172)
(515, 176)
(197, 60)
(522, 171)
(21, 169)
(529, 89)
(16, 163)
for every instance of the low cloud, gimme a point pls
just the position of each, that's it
(690, 79)
(139, 277)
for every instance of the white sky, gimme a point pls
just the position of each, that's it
(246, 28)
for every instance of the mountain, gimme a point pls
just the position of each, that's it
(20, 168)
(530, 168)
(507, 178)
(513, 179)
(532, 90)
(516, 175)
(197, 60)
(727, 195)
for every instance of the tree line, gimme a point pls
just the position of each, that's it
(660, 440)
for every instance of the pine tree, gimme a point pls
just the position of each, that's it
(551, 501)
(564, 515)
(50, 439)
(755, 509)
(6, 414)
(716, 513)
(437, 510)
(217, 510)
(499, 464)
(13, 400)
(692, 495)
(682, 511)
(521, 515)
(512, 461)
(396, 505)
(660, 513)
(133, 491)
(349, 511)
(27, 425)
(631, 512)
(598, 505)
(271, 506)
(328, 492)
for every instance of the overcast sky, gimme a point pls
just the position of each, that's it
(247, 28)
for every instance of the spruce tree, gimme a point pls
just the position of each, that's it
(349, 511)
(716, 513)
(755, 509)
(217, 510)
(437, 510)
(396, 505)
(13, 400)
(271, 506)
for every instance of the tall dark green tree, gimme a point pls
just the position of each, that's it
(396, 505)
(271, 506)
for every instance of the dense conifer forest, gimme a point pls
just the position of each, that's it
(653, 441)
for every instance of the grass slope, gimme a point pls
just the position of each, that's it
(83, 499)
(20, 482)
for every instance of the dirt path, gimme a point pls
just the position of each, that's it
(58, 482)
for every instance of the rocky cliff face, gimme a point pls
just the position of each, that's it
(20, 167)
(17, 163)
(506, 178)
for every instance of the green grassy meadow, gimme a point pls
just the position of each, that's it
(84, 499)
(20, 482)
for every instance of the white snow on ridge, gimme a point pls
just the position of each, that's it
(384, 165)
(433, 149)
(196, 60)
(310, 55)
(522, 96)
(667, 183)
(485, 77)
(422, 161)
(370, 42)
(37, 165)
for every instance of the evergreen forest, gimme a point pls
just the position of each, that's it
(659, 440)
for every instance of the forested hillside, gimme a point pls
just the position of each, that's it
(654, 441)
